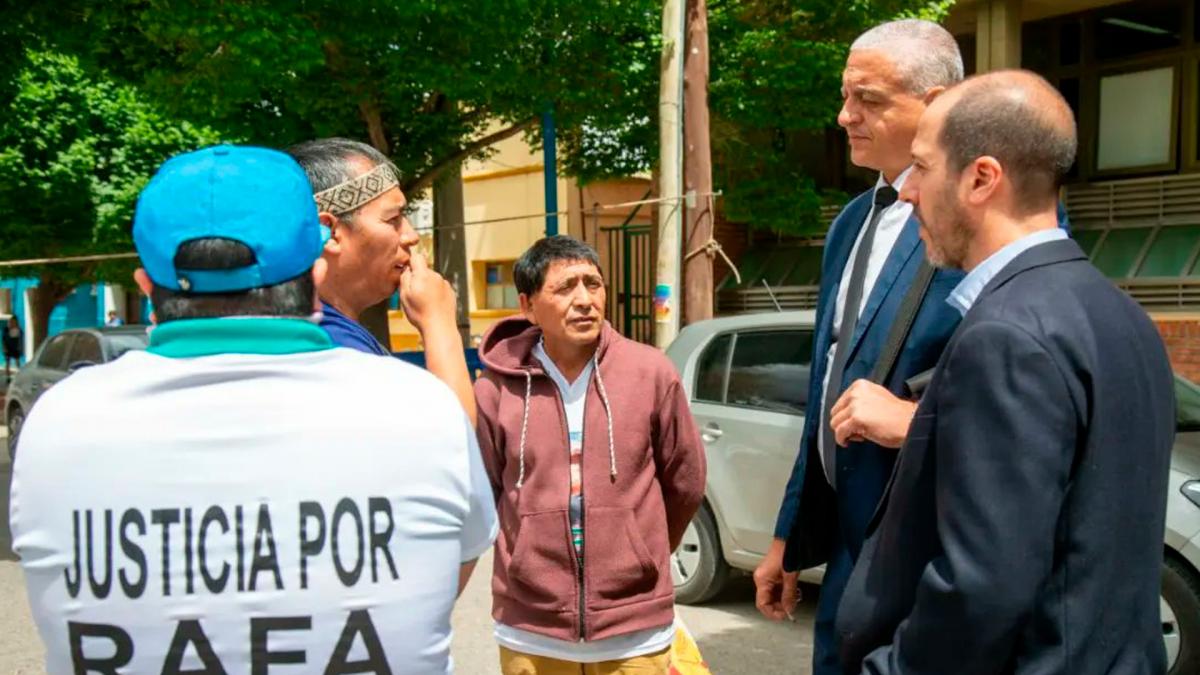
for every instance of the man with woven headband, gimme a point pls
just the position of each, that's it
(370, 254)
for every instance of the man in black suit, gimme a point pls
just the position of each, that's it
(1022, 528)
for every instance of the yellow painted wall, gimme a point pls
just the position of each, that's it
(404, 334)
(508, 185)
(505, 197)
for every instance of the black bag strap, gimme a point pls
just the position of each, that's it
(903, 322)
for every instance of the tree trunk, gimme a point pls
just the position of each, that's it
(449, 243)
(375, 317)
(374, 121)
(375, 320)
(698, 270)
(42, 300)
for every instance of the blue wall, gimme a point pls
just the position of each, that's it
(81, 309)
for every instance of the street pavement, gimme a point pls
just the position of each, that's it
(731, 634)
(20, 648)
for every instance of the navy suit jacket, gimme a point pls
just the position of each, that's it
(1022, 530)
(810, 509)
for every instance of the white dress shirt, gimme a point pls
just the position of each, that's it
(891, 224)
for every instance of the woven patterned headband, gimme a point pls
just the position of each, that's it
(348, 196)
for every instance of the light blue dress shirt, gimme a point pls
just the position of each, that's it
(967, 291)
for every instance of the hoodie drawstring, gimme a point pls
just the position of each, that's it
(524, 428)
(612, 451)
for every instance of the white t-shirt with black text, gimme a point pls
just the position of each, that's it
(247, 513)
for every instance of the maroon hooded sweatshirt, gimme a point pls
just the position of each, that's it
(643, 479)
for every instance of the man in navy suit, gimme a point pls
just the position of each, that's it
(1022, 530)
(872, 256)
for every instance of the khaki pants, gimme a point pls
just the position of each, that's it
(516, 663)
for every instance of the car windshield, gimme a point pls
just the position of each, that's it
(121, 343)
(1187, 405)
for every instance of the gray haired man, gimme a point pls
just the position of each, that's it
(872, 256)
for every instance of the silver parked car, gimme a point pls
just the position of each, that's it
(58, 357)
(747, 379)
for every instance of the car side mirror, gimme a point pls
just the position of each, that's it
(79, 364)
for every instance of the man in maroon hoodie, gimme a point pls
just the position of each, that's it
(597, 468)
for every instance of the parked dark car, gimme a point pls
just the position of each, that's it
(58, 357)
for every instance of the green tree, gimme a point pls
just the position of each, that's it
(75, 150)
(430, 82)
(776, 73)
(433, 82)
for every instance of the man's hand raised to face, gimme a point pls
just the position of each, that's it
(867, 411)
(428, 299)
(429, 304)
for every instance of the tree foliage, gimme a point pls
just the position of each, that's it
(776, 75)
(432, 82)
(425, 80)
(75, 150)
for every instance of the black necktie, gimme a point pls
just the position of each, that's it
(885, 196)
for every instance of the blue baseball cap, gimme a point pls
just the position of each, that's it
(255, 196)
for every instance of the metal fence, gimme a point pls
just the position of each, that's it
(630, 278)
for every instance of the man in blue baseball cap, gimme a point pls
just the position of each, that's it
(238, 496)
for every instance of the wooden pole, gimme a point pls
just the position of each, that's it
(670, 212)
(698, 270)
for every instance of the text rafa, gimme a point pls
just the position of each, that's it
(190, 637)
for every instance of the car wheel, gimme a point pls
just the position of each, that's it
(1181, 617)
(15, 420)
(698, 567)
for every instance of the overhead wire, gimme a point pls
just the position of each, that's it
(101, 257)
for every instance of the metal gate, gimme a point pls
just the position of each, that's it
(630, 279)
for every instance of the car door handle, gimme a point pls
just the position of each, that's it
(711, 432)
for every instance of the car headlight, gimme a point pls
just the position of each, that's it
(1191, 490)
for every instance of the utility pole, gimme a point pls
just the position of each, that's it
(698, 270)
(670, 210)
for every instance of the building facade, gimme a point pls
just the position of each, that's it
(504, 213)
(87, 306)
(1131, 72)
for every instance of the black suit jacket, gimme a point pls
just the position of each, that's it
(1022, 529)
